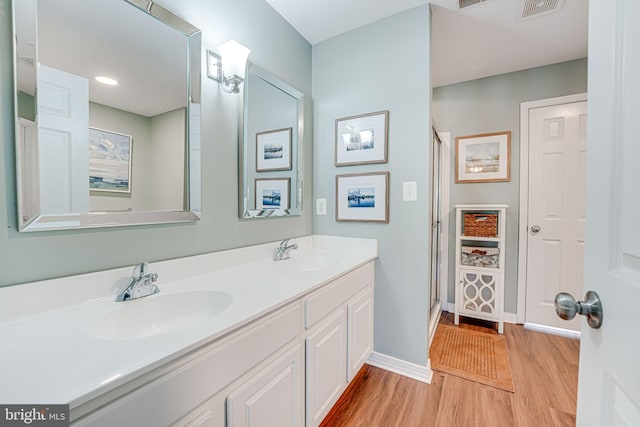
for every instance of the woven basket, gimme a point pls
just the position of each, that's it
(481, 224)
(480, 257)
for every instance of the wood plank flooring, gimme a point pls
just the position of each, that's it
(545, 375)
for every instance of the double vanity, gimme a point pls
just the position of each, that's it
(232, 338)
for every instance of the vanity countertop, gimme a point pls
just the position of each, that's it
(50, 354)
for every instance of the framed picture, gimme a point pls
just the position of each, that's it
(109, 161)
(272, 193)
(483, 158)
(363, 197)
(273, 150)
(362, 139)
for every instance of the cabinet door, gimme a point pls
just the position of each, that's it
(272, 398)
(360, 331)
(209, 414)
(479, 291)
(326, 366)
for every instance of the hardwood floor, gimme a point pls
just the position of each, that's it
(545, 376)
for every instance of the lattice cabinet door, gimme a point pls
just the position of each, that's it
(479, 290)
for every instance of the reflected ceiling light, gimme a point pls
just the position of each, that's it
(107, 80)
(228, 66)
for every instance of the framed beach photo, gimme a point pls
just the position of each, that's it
(272, 193)
(362, 139)
(109, 161)
(273, 150)
(483, 158)
(363, 197)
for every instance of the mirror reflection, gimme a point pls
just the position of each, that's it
(108, 110)
(271, 167)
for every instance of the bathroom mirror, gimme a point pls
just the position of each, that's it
(271, 162)
(107, 101)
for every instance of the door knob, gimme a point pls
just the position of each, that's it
(535, 229)
(567, 308)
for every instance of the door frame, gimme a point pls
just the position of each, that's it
(445, 184)
(523, 221)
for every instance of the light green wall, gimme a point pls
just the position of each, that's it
(276, 47)
(492, 105)
(383, 66)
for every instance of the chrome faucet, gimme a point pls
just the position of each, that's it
(282, 251)
(142, 284)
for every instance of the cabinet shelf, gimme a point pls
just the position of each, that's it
(481, 239)
(480, 289)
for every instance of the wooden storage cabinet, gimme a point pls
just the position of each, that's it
(480, 263)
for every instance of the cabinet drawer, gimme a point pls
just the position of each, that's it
(322, 302)
(188, 384)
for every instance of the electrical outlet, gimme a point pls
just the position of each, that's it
(321, 206)
(409, 191)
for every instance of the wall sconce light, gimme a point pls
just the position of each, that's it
(228, 66)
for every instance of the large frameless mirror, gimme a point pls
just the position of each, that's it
(107, 100)
(271, 161)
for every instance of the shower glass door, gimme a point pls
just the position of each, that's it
(436, 194)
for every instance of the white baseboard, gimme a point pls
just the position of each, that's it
(508, 317)
(401, 367)
(552, 330)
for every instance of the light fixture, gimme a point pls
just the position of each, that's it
(228, 66)
(107, 80)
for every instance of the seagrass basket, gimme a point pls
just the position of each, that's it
(481, 224)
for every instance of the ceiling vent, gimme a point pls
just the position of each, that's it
(533, 8)
(466, 3)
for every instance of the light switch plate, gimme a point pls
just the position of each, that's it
(321, 206)
(409, 191)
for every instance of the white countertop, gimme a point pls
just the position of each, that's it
(47, 355)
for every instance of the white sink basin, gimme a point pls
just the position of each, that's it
(158, 314)
(303, 263)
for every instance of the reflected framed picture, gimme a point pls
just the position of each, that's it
(363, 197)
(273, 150)
(109, 161)
(483, 158)
(362, 139)
(272, 193)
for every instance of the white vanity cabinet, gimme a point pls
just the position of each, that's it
(176, 391)
(339, 321)
(286, 368)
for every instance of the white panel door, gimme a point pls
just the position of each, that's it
(360, 332)
(63, 141)
(609, 379)
(272, 398)
(557, 161)
(326, 366)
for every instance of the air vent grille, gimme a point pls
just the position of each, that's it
(532, 8)
(466, 3)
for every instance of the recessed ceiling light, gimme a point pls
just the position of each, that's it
(107, 80)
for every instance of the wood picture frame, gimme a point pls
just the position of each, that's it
(483, 158)
(362, 139)
(362, 197)
(272, 193)
(273, 150)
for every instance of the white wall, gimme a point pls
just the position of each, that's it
(488, 105)
(383, 66)
(276, 47)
